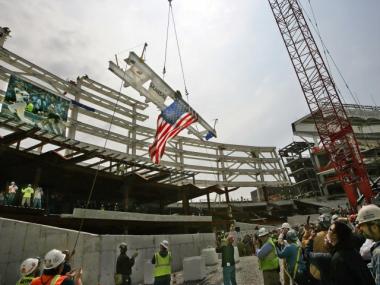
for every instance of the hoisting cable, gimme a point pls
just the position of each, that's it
(98, 167)
(327, 52)
(179, 52)
(143, 52)
(170, 13)
(166, 41)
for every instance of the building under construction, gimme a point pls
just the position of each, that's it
(88, 146)
(66, 157)
(311, 171)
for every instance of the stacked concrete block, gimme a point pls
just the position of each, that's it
(194, 268)
(210, 256)
(148, 272)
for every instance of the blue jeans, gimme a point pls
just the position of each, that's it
(10, 198)
(37, 203)
(162, 280)
(229, 275)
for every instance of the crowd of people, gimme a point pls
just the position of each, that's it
(27, 196)
(335, 250)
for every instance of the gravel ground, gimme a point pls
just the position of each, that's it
(248, 273)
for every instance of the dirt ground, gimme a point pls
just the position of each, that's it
(247, 273)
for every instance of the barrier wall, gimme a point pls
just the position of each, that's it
(96, 254)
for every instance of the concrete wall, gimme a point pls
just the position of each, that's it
(96, 254)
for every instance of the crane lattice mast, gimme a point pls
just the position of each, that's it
(331, 121)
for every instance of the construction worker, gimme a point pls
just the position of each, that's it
(285, 227)
(124, 266)
(268, 260)
(12, 190)
(369, 223)
(29, 269)
(66, 263)
(292, 254)
(162, 261)
(53, 266)
(27, 195)
(228, 262)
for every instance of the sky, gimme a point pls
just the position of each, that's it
(236, 66)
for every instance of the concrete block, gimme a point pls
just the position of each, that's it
(12, 272)
(107, 267)
(236, 255)
(194, 268)
(210, 256)
(148, 272)
(18, 237)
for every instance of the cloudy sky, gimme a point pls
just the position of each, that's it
(236, 66)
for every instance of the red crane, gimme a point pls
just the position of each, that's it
(330, 118)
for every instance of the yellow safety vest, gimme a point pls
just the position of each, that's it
(162, 265)
(270, 262)
(25, 280)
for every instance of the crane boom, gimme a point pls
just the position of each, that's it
(330, 118)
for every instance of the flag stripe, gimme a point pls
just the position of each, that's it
(172, 133)
(166, 130)
(159, 146)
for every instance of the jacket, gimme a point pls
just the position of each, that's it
(348, 268)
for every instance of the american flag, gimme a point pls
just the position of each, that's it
(172, 120)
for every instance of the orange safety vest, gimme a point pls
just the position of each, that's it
(51, 280)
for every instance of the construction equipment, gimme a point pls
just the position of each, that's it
(333, 126)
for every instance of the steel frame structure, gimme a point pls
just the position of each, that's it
(186, 160)
(331, 121)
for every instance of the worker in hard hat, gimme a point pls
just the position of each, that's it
(124, 266)
(27, 193)
(228, 262)
(53, 266)
(368, 220)
(285, 227)
(66, 263)
(162, 261)
(29, 269)
(282, 242)
(268, 260)
(292, 254)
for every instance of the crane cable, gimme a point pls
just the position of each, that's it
(328, 54)
(170, 13)
(99, 164)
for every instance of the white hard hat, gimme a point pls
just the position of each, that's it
(123, 244)
(285, 226)
(28, 266)
(165, 244)
(368, 213)
(53, 259)
(262, 232)
(334, 217)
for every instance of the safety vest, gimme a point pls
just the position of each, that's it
(28, 191)
(26, 280)
(56, 280)
(269, 262)
(162, 265)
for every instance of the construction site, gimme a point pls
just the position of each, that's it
(107, 179)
